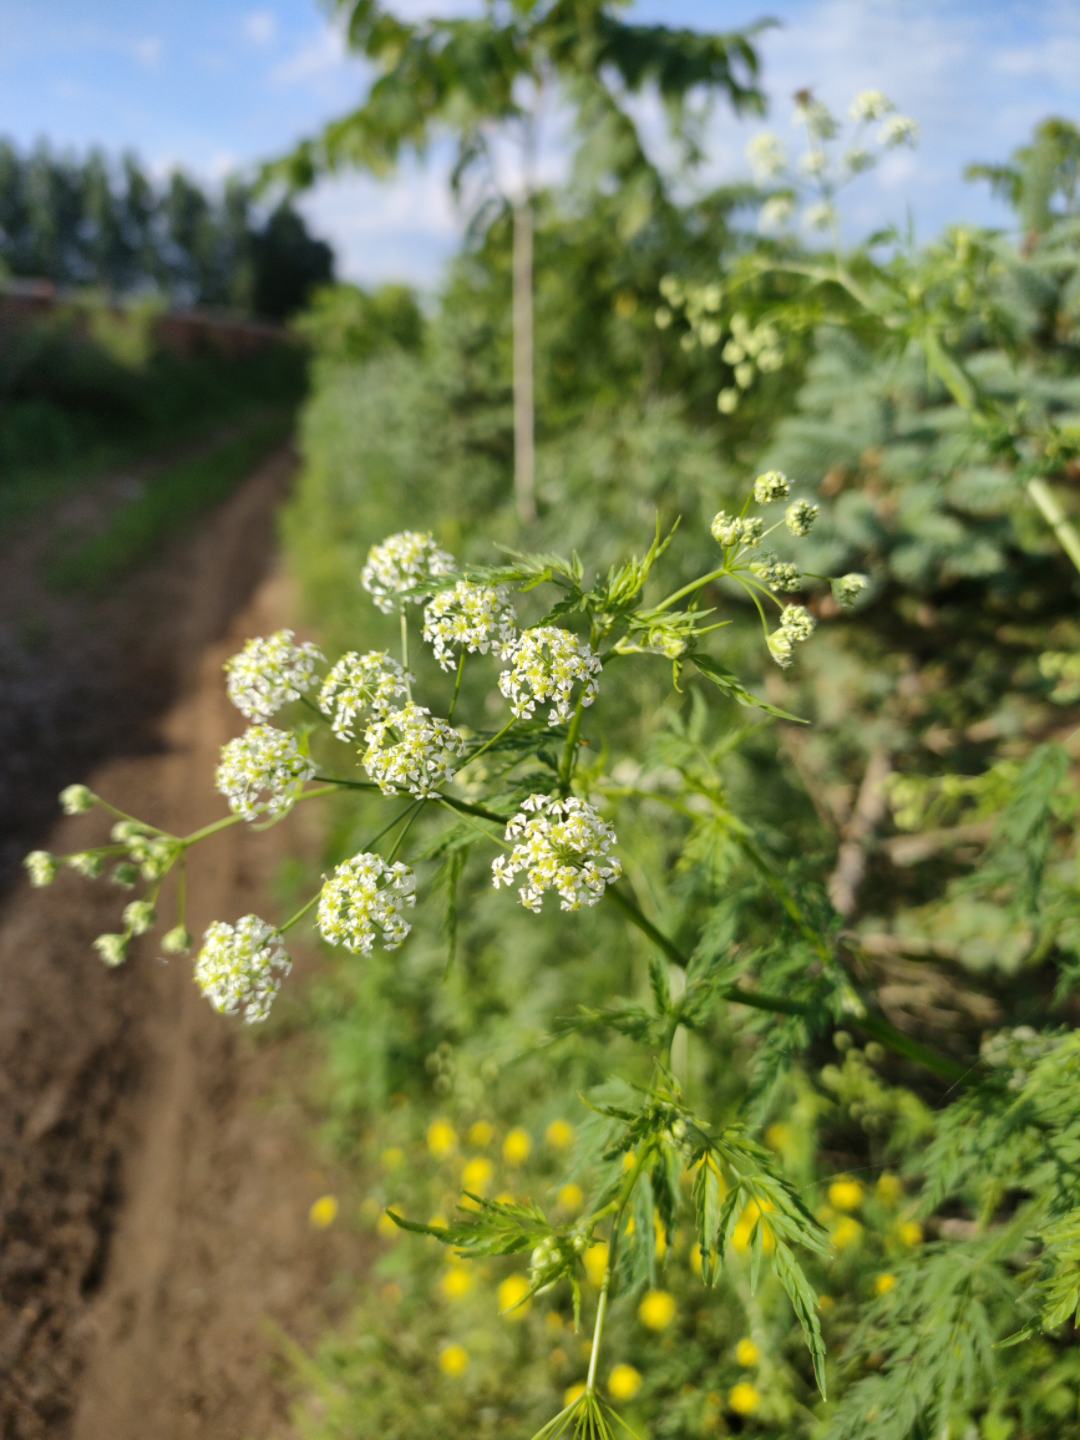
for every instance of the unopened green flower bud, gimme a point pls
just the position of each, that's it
(849, 587)
(112, 948)
(42, 867)
(124, 831)
(76, 800)
(126, 875)
(139, 917)
(88, 863)
(771, 486)
(800, 516)
(177, 940)
(156, 858)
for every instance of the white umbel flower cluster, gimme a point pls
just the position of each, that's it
(546, 664)
(561, 845)
(357, 682)
(870, 105)
(796, 625)
(402, 566)
(473, 617)
(728, 530)
(363, 893)
(267, 674)
(262, 762)
(849, 587)
(411, 749)
(240, 967)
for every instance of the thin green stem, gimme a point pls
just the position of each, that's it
(488, 743)
(468, 813)
(694, 585)
(123, 815)
(405, 650)
(613, 1251)
(405, 830)
(213, 829)
(457, 685)
(301, 912)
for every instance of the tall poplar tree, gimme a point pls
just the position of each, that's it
(490, 78)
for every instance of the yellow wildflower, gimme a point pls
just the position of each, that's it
(517, 1147)
(743, 1398)
(846, 1193)
(747, 1354)
(504, 1198)
(624, 1382)
(657, 1310)
(825, 1303)
(554, 1323)
(596, 1261)
(454, 1360)
(889, 1189)
(481, 1134)
(392, 1159)
(386, 1226)
(559, 1134)
(511, 1293)
(456, 1283)
(628, 1161)
(778, 1137)
(884, 1283)
(324, 1212)
(743, 1234)
(477, 1176)
(846, 1233)
(571, 1197)
(575, 1392)
(441, 1139)
(910, 1232)
(438, 1221)
(370, 1210)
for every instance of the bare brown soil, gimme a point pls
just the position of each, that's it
(155, 1178)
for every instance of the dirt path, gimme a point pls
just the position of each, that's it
(154, 1184)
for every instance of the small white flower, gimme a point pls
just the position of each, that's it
(267, 674)
(411, 749)
(775, 214)
(240, 967)
(857, 160)
(813, 162)
(546, 664)
(473, 617)
(373, 680)
(849, 587)
(898, 130)
(870, 105)
(817, 118)
(744, 375)
(799, 516)
(663, 317)
(139, 917)
(727, 402)
(112, 949)
(263, 761)
(403, 567)
(87, 863)
(561, 845)
(766, 155)
(362, 893)
(817, 217)
(771, 486)
(797, 622)
(42, 868)
(76, 800)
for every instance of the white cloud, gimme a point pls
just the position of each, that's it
(260, 27)
(147, 52)
(315, 60)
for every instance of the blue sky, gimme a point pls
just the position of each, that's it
(217, 84)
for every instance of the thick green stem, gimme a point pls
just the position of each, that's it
(566, 769)
(457, 685)
(694, 585)
(1055, 517)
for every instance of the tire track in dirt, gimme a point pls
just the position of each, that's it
(154, 1176)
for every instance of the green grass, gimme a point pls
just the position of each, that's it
(173, 499)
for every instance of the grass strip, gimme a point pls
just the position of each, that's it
(173, 499)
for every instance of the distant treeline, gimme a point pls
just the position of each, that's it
(97, 223)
